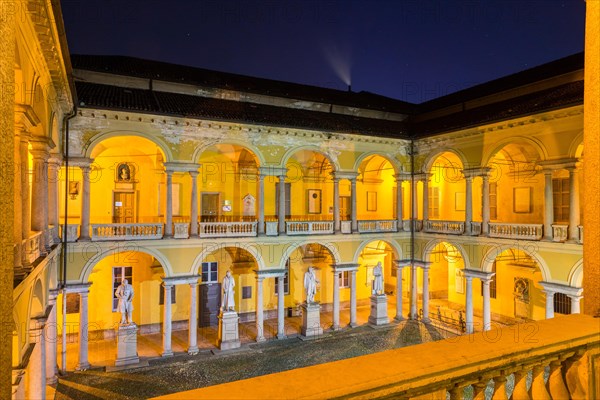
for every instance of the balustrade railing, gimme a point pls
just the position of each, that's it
(309, 227)
(447, 227)
(516, 231)
(559, 232)
(33, 247)
(377, 226)
(549, 359)
(104, 232)
(227, 229)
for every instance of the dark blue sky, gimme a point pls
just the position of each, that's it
(406, 49)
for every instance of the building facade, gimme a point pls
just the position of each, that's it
(170, 176)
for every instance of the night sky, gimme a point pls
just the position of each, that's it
(405, 49)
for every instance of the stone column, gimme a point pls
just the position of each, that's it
(468, 203)
(83, 363)
(487, 314)
(167, 324)
(336, 205)
(261, 203)
(51, 336)
(260, 337)
(281, 206)
(39, 198)
(425, 269)
(194, 210)
(549, 303)
(399, 207)
(399, 306)
(485, 205)
(353, 299)
(18, 213)
(425, 198)
(548, 205)
(193, 322)
(336, 300)
(415, 204)
(25, 206)
(573, 205)
(37, 360)
(413, 292)
(575, 304)
(169, 221)
(53, 178)
(353, 203)
(469, 303)
(280, 308)
(85, 203)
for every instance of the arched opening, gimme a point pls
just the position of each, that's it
(228, 184)
(376, 196)
(446, 186)
(447, 284)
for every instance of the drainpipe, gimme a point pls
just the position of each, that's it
(64, 238)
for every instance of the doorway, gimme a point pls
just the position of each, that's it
(209, 206)
(210, 304)
(123, 207)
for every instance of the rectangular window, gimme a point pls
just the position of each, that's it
(286, 280)
(434, 202)
(161, 295)
(562, 303)
(345, 208)
(210, 273)
(493, 201)
(345, 279)
(560, 193)
(120, 273)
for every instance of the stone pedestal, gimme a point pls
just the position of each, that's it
(229, 337)
(127, 345)
(311, 320)
(378, 310)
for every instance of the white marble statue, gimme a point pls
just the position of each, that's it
(310, 284)
(125, 306)
(228, 300)
(377, 279)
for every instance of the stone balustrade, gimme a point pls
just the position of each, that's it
(104, 232)
(71, 232)
(446, 227)
(475, 228)
(376, 226)
(516, 231)
(309, 227)
(33, 246)
(559, 232)
(228, 229)
(271, 228)
(181, 230)
(346, 227)
(551, 359)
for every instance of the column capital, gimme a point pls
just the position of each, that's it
(422, 176)
(272, 171)
(482, 275)
(41, 143)
(25, 116)
(563, 163)
(181, 166)
(402, 176)
(194, 174)
(81, 162)
(345, 175)
(559, 288)
(180, 280)
(402, 263)
(81, 288)
(269, 273)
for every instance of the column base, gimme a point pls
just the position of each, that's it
(51, 380)
(399, 318)
(167, 353)
(336, 328)
(83, 367)
(192, 351)
(281, 336)
(426, 320)
(260, 339)
(352, 325)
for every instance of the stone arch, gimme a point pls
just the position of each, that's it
(393, 244)
(574, 146)
(536, 144)
(576, 274)
(89, 147)
(207, 250)
(395, 164)
(248, 146)
(490, 256)
(293, 246)
(288, 154)
(428, 162)
(37, 300)
(91, 263)
(434, 242)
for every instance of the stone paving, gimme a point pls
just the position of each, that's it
(184, 372)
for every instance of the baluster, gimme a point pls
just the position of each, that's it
(576, 380)
(520, 391)
(500, 388)
(538, 387)
(556, 384)
(479, 390)
(457, 392)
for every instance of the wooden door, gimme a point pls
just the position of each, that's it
(210, 304)
(345, 208)
(209, 206)
(123, 207)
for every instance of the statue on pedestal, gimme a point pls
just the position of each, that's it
(125, 306)
(377, 285)
(310, 284)
(227, 300)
